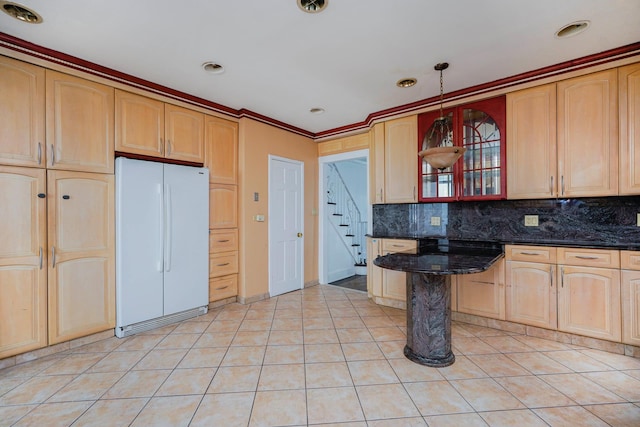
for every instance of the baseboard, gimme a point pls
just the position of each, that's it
(311, 283)
(255, 298)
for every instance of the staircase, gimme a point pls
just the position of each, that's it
(345, 217)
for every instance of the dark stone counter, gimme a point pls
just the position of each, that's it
(429, 292)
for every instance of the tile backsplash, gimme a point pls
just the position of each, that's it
(604, 221)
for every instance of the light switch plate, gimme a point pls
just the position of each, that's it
(259, 218)
(435, 220)
(531, 220)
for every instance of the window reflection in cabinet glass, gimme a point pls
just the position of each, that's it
(481, 138)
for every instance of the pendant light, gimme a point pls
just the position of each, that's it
(437, 146)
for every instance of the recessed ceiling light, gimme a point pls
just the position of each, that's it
(406, 82)
(316, 110)
(572, 29)
(312, 6)
(213, 68)
(20, 12)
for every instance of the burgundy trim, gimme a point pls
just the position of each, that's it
(57, 57)
(157, 159)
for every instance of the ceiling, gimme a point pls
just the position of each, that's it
(280, 61)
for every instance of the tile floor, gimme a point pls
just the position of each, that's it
(323, 356)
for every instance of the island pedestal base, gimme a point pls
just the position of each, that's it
(429, 319)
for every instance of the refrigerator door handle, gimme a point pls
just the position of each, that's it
(167, 227)
(160, 260)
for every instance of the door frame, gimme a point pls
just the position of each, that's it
(271, 210)
(323, 161)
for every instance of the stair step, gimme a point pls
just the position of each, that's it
(344, 225)
(330, 203)
(349, 235)
(336, 214)
(356, 244)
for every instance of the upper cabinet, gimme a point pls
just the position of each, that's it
(21, 114)
(629, 112)
(393, 159)
(149, 127)
(478, 175)
(221, 150)
(80, 123)
(345, 144)
(563, 138)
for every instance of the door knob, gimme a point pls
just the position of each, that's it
(299, 234)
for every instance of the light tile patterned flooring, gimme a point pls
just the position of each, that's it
(322, 356)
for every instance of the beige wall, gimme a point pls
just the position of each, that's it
(256, 142)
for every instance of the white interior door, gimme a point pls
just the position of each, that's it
(285, 225)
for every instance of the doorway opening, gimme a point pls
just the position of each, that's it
(344, 219)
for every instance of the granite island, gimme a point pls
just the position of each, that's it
(429, 291)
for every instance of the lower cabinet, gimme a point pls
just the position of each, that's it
(482, 294)
(223, 264)
(81, 236)
(387, 287)
(630, 264)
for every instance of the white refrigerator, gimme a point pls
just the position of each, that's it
(162, 244)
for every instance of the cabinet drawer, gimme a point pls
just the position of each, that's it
(589, 257)
(223, 240)
(223, 264)
(399, 245)
(223, 287)
(630, 260)
(530, 254)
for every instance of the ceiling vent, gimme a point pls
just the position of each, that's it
(20, 12)
(312, 6)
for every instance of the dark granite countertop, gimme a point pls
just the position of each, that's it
(443, 257)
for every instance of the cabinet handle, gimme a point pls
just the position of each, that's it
(222, 265)
(414, 192)
(53, 155)
(530, 253)
(39, 152)
(40, 257)
(161, 146)
(562, 180)
(380, 199)
(168, 147)
(551, 186)
(221, 288)
(551, 276)
(562, 277)
(53, 257)
(484, 282)
(222, 241)
(587, 257)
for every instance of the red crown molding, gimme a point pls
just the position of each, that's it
(73, 62)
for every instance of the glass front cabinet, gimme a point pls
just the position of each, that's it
(480, 174)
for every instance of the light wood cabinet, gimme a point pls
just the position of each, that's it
(22, 94)
(23, 260)
(221, 150)
(80, 123)
(223, 206)
(345, 144)
(629, 113)
(387, 287)
(483, 294)
(223, 263)
(81, 267)
(223, 287)
(184, 134)
(569, 149)
(588, 135)
(630, 263)
(531, 143)
(589, 301)
(401, 160)
(374, 273)
(376, 164)
(531, 292)
(150, 127)
(139, 124)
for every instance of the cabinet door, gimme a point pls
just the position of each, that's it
(184, 133)
(588, 135)
(629, 80)
(531, 143)
(221, 150)
(483, 293)
(376, 165)
(223, 206)
(374, 273)
(139, 124)
(589, 302)
(401, 160)
(81, 243)
(80, 124)
(23, 274)
(223, 287)
(631, 307)
(531, 294)
(394, 284)
(21, 113)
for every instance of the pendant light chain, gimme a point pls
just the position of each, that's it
(441, 95)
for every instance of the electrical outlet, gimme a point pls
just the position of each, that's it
(435, 220)
(531, 220)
